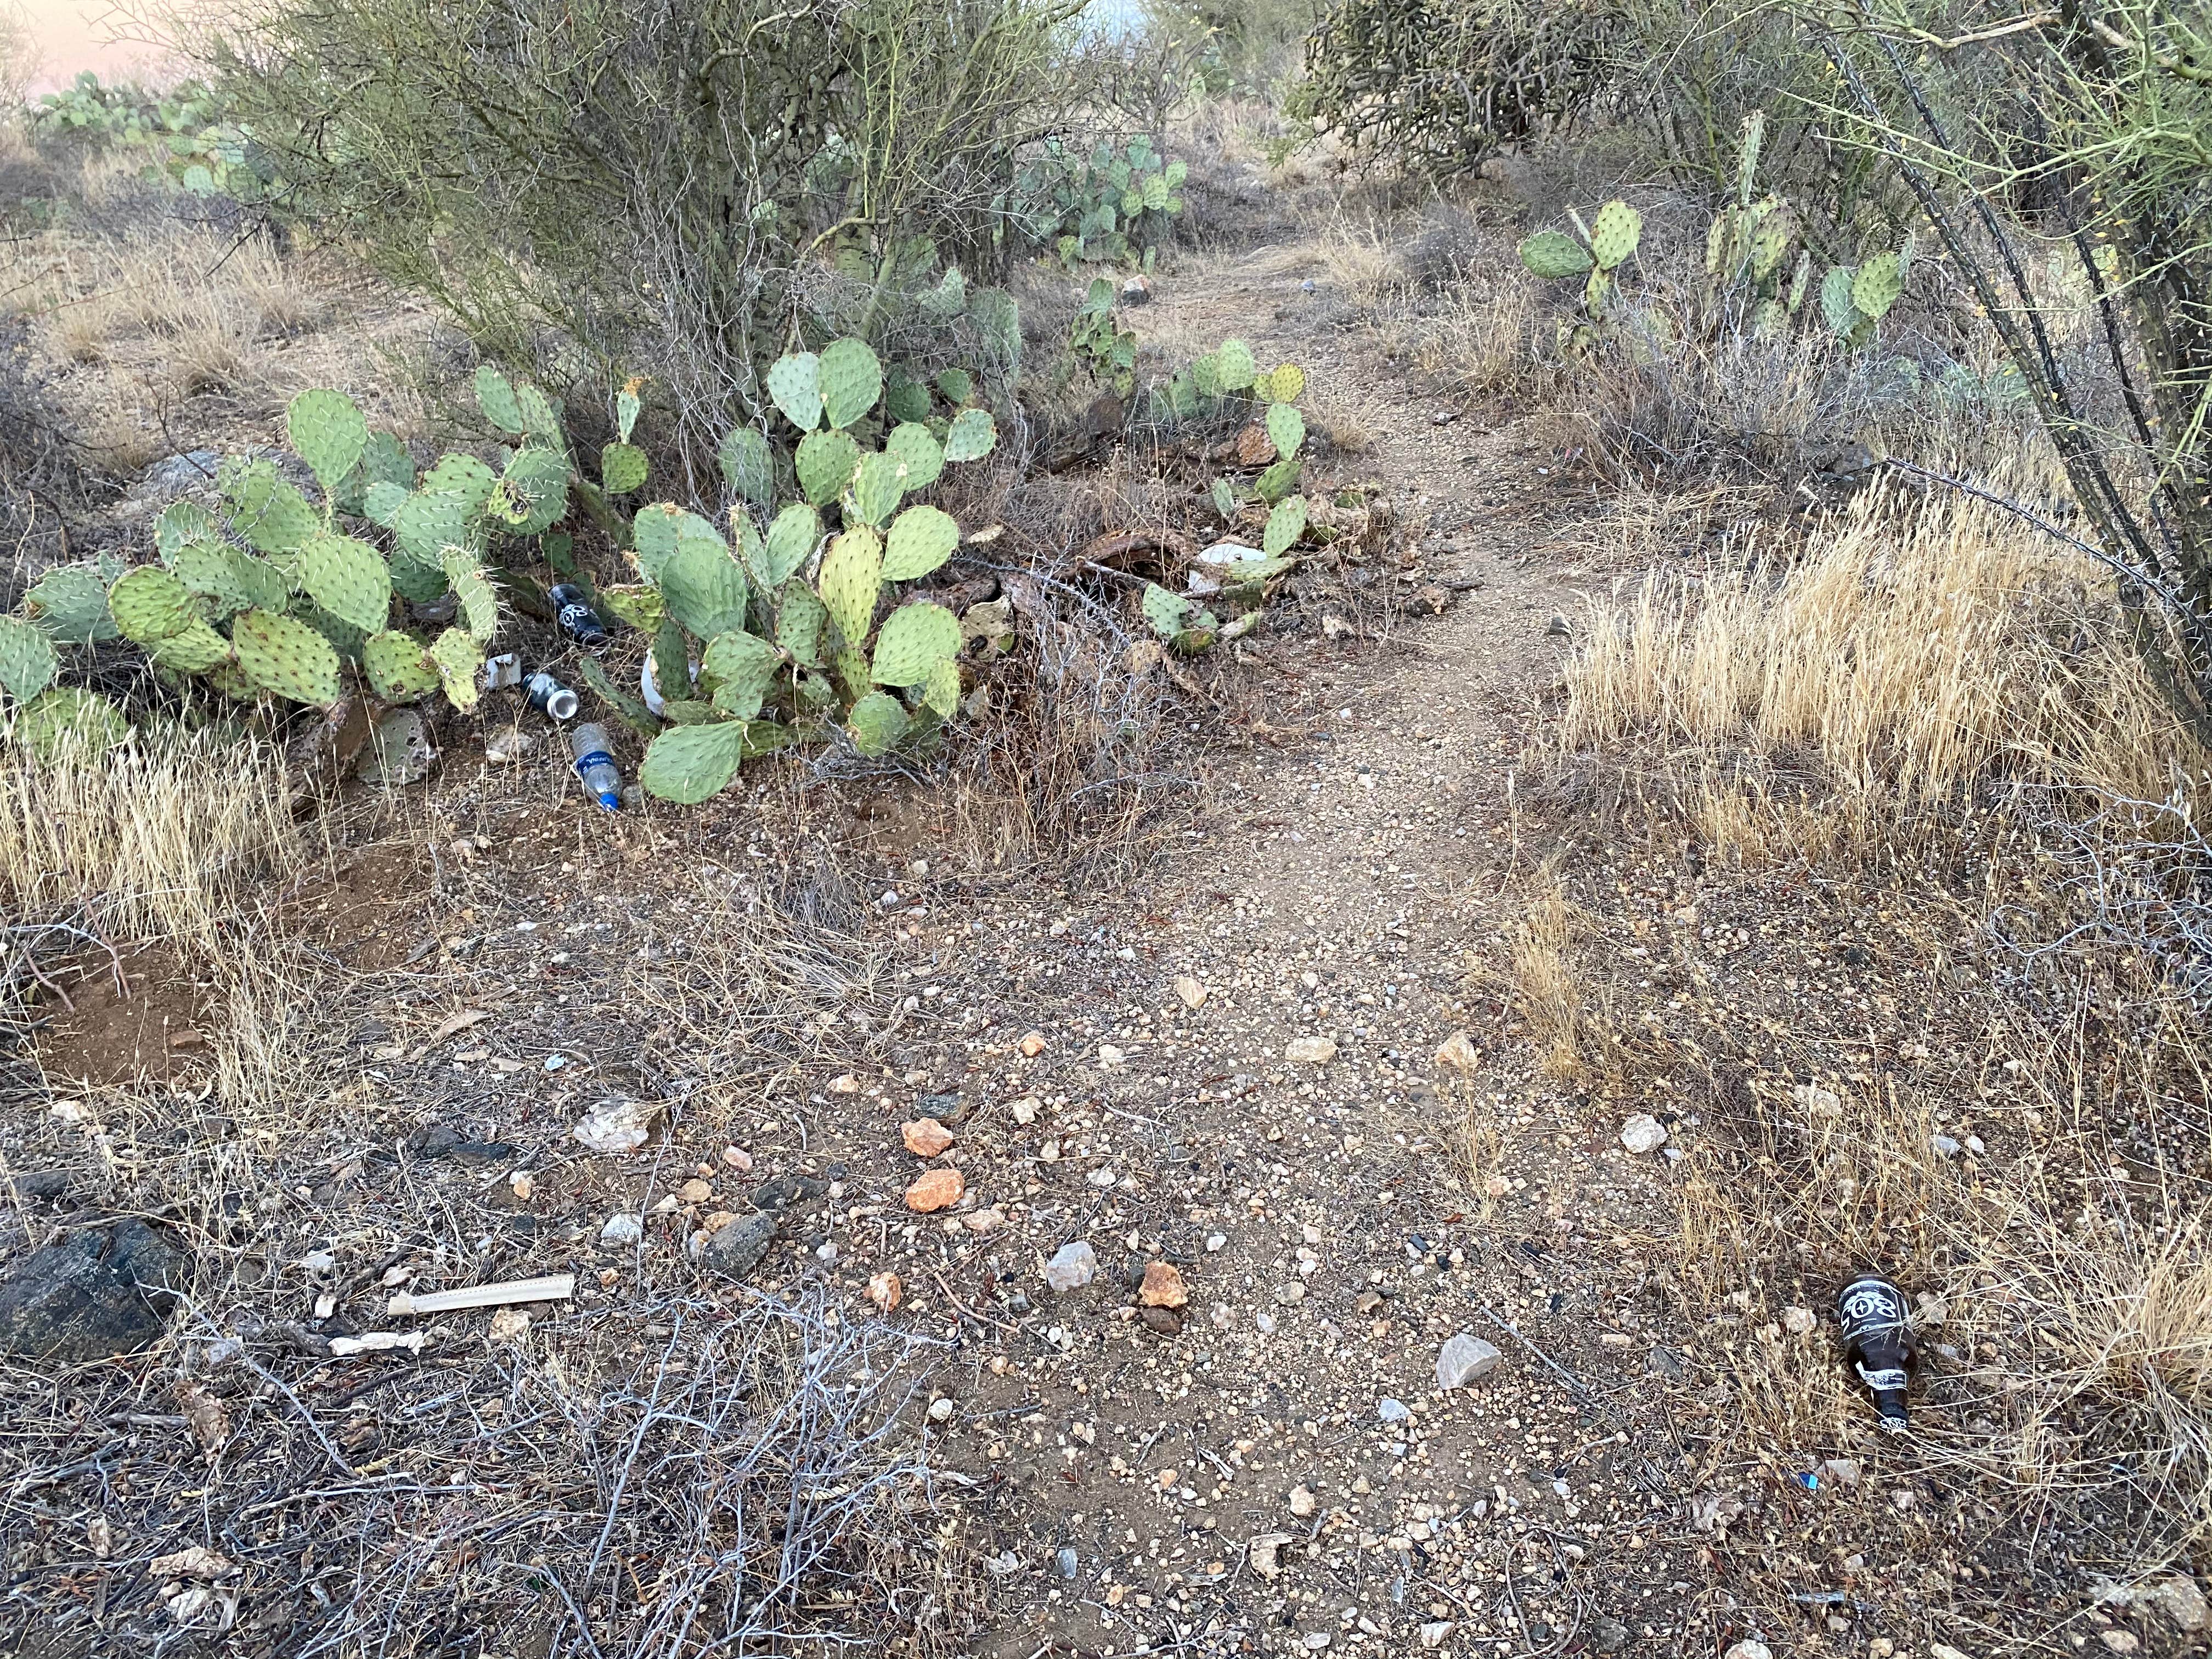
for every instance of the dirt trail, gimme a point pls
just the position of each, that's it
(1284, 1474)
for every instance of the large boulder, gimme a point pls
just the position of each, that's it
(100, 1292)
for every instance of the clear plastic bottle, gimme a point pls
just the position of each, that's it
(595, 763)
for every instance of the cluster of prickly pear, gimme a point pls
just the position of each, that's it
(1855, 300)
(1100, 343)
(772, 629)
(1607, 243)
(1110, 205)
(1748, 245)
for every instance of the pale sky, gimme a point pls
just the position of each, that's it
(80, 34)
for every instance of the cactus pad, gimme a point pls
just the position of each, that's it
(329, 433)
(913, 640)
(268, 512)
(479, 603)
(940, 693)
(195, 648)
(688, 764)
(1286, 429)
(1876, 287)
(958, 386)
(638, 605)
(851, 577)
(1276, 481)
(971, 436)
(1224, 500)
(876, 722)
(541, 419)
(181, 523)
(877, 483)
(496, 397)
(923, 457)
(905, 398)
(795, 383)
(149, 603)
(742, 666)
(1553, 254)
(921, 538)
(347, 577)
(851, 380)
(622, 468)
(385, 459)
(747, 465)
(705, 589)
(792, 536)
(27, 663)
(532, 493)
(1843, 315)
(1164, 610)
(1284, 525)
(381, 502)
(1233, 365)
(825, 461)
(400, 670)
(799, 622)
(285, 655)
(1287, 384)
(659, 532)
(1770, 243)
(70, 602)
(460, 662)
(1614, 234)
(62, 716)
(428, 522)
(462, 476)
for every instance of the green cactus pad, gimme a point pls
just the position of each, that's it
(688, 764)
(181, 523)
(460, 662)
(905, 398)
(747, 465)
(799, 621)
(851, 670)
(1164, 610)
(851, 380)
(672, 666)
(541, 417)
(479, 602)
(64, 717)
(417, 581)
(921, 452)
(940, 692)
(1614, 234)
(428, 522)
(795, 383)
(347, 577)
(1287, 384)
(1286, 429)
(662, 530)
(825, 461)
(381, 502)
(532, 493)
(1875, 288)
(877, 483)
(705, 590)
(1723, 246)
(496, 397)
(70, 603)
(149, 604)
(1771, 242)
(1192, 640)
(957, 384)
(911, 642)
(329, 433)
(195, 648)
(268, 512)
(635, 715)
(285, 655)
(1233, 365)
(1836, 305)
(622, 468)
(1284, 525)
(1224, 500)
(876, 721)
(971, 436)
(1553, 254)
(792, 536)
(742, 666)
(850, 579)
(921, 538)
(462, 475)
(638, 605)
(1276, 481)
(1768, 318)
(344, 637)
(27, 662)
(399, 669)
(385, 459)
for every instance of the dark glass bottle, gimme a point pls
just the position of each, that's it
(1877, 1341)
(573, 612)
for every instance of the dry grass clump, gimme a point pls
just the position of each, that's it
(1900, 664)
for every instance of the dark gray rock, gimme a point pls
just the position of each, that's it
(774, 1197)
(443, 1140)
(736, 1248)
(97, 1293)
(1610, 1636)
(34, 1184)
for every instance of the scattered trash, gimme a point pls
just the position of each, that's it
(1808, 1478)
(575, 617)
(590, 744)
(511, 744)
(648, 688)
(617, 1125)
(549, 1287)
(1068, 1562)
(1073, 1266)
(1463, 1359)
(1879, 1344)
(398, 750)
(345, 1347)
(549, 698)
(503, 671)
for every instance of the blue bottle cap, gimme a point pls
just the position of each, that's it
(611, 800)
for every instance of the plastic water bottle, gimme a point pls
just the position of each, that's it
(595, 763)
(1877, 1341)
(549, 696)
(575, 617)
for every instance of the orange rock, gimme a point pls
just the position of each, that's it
(926, 1137)
(694, 1191)
(1033, 1044)
(1163, 1286)
(886, 1291)
(938, 1189)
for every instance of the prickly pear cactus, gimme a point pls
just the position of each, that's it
(850, 379)
(1553, 254)
(284, 655)
(912, 640)
(1876, 286)
(921, 538)
(1614, 234)
(70, 602)
(850, 579)
(27, 662)
(688, 764)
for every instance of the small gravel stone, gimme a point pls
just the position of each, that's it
(623, 1230)
(1643, 1133)
(1068, 1562)
(1464, 1358)
(1073, 1266)
(1393, 1410)
(1309, 1051)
